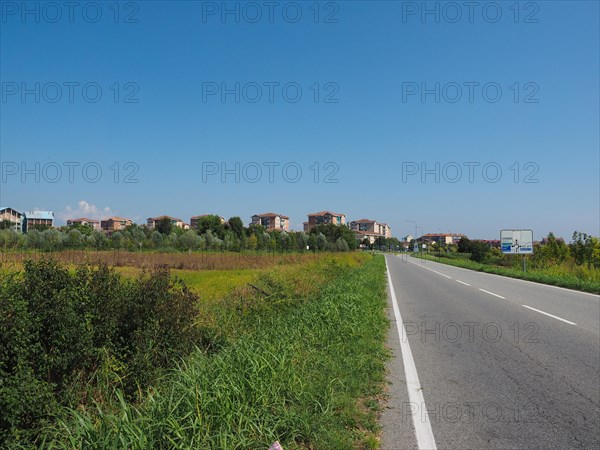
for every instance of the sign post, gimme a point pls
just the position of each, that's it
(517, 242)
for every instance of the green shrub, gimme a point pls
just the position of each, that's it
(58, 329)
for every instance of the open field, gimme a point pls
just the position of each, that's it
(149, 260)
(234, 358)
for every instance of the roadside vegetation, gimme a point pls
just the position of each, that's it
(94, 358)
(575, 265)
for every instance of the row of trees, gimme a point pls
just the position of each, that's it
(212, 234)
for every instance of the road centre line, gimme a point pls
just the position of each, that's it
(462, 282)
(550, 315)
(439, 273)
(491, 293)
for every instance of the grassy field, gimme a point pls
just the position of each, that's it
(570, 276)
(299, 358)
(148, 260)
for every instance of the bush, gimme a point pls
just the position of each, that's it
(57, 328)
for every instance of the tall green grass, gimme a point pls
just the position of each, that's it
(306, 372)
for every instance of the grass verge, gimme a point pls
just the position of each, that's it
(552, 276)
(306, 371)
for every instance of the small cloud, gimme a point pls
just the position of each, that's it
(85, 209)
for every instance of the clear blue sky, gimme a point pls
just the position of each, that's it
(372, 54)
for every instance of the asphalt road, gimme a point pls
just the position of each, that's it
(483, 361)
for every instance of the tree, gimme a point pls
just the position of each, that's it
(479, 251)
(213, 223)
(585, 249)
(6, 224)
(341, 245)
(237, 226)
(164, 226)
(464, 245)
(188, 240)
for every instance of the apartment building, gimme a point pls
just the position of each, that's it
(370, 229)
(441, 238)
(195, 219)
(323, 218)
(152, 221)
(115, 224)
(272, 221)
(13, 216)
(38, 218)
(93, 224)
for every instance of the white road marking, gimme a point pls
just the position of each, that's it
(491, 293)
(525, 281)
(550, 315)
(462, 282)
(439, 273)
(423, 431)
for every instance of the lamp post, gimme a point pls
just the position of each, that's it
(415, 238)
(420, 250)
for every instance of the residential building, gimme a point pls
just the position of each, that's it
(324, 217)
(94, 224)
(370, 229)
(14, 216)
(407, 238)
(38, 218)
(441, 238)
(115, 224)
(272, 221)
(152, 221)
(195, 219)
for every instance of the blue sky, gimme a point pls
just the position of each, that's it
(365, 58)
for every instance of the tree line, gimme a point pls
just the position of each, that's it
(212, 234)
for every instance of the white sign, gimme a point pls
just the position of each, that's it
(518, 242)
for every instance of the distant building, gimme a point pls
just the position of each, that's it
(151, 222)
(93, 224)
(13, 216)
(323, 218)
(407, 238)
(194, 220)
(115, 224)
(370, 229)
(272, 221)
(38, 218)
(441, 238)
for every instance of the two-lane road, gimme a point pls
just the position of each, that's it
(483, 361)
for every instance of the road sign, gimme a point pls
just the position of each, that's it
(516, 242)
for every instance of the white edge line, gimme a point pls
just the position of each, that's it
(462, 282)
(550, 315)
(491, 293)
(423, 431)
(520, 279)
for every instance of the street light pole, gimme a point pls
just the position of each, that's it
(415, 238)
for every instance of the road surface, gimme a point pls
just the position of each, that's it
(483, 361)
